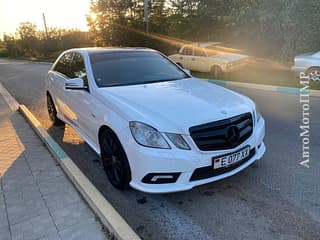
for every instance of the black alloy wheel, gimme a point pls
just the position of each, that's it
(53, 112)
(114, 160)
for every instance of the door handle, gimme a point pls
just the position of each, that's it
(181, 57)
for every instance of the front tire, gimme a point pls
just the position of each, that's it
(216, 71)
(53, 112)
(114, 160)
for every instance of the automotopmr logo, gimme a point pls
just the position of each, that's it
(305, 120)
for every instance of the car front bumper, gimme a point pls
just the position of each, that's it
(144, 161)
(234, 68)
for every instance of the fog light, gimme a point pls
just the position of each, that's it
(158, 178)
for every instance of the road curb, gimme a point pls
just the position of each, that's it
(12, 103)
(110, 218)
(281, 89)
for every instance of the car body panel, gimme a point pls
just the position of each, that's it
(176, 105)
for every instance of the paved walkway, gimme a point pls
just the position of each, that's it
(37, 201)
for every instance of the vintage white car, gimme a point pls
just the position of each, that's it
(210, 58)
(308, 63)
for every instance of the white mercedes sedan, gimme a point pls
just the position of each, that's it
(156, 128)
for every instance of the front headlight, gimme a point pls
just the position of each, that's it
(147, 136)
(178, 141)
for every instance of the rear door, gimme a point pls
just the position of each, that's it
(200, 61)
(57, 79)
(186, 56)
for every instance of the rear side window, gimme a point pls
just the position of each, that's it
(63, 66)
(199, 52)
(187, 51)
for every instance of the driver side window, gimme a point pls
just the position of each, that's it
(187, 51)
(78, 69)
(63, 65)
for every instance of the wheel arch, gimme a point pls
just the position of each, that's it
(312, 67)
(217, 66)
(105, 127)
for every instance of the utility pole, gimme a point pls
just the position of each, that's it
(146, 14)
(45, 25)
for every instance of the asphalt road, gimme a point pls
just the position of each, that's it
(275, 198)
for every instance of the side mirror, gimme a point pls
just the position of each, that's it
(75, 84)
(187, 71)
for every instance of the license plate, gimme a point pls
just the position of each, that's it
(227, 160)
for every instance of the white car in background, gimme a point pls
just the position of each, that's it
(308, 63)
(209, 58)
(156, 128)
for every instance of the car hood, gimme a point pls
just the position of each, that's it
(175, 106)
(230, 57)
(308, 54)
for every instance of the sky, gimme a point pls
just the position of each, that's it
(59, 13)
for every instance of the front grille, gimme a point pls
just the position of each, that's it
(218, 135)
(208, 172)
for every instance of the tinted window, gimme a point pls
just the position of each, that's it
(126, 68)
(187, 51)
(64, 65)
(78, 67)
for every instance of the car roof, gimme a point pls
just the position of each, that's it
(91, 50)
(205, 44)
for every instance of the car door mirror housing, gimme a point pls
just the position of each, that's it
(75, 84)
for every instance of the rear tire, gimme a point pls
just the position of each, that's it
(114, 160)
(216, 71)
(314, 74)
(52, 111)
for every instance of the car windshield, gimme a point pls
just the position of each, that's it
(128, 68)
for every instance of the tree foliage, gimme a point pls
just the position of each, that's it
(30, 42)
(272, 28)
(278, 29)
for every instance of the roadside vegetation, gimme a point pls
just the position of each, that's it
(32, 44)
(274, 30)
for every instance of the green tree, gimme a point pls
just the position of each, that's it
(27, 34)
(119, 22)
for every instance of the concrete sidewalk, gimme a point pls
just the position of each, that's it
(37, 200)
